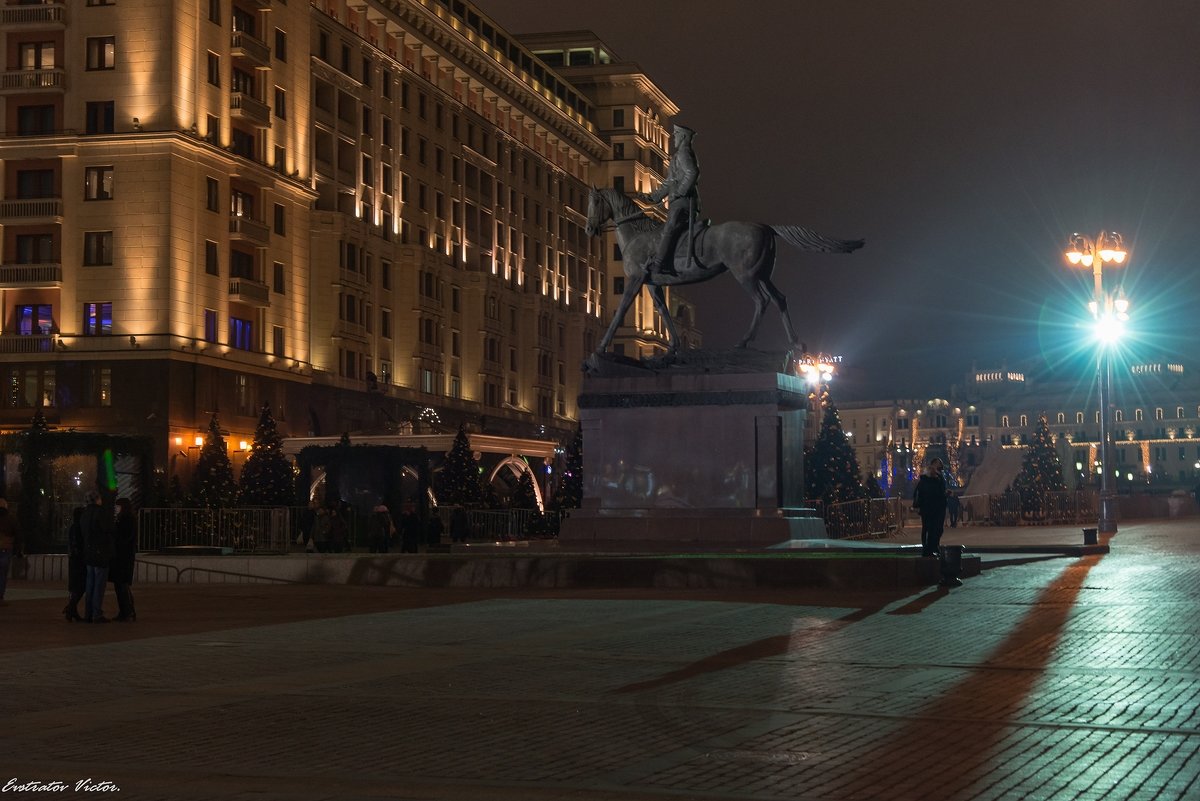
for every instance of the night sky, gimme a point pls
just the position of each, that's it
(964, 140)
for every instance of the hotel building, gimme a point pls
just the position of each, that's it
(368, 214)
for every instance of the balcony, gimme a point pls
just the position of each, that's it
(19, 343)
(43, 209)
(32, 80)
(250, 292)
(249, 108)
(39, 16)
(247, 47)
(30, 276)
(249, 230)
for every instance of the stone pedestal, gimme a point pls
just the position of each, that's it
(692, 454)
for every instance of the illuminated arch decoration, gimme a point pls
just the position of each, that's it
(517, 466)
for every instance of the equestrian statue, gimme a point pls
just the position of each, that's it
(686, 250)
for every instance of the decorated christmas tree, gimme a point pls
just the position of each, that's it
(831, 471)
(1041, 471)
(212, 483)
(459, 477)
(523, 496)
(570, 483)
(266, 478)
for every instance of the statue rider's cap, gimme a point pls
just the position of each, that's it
(684, 131)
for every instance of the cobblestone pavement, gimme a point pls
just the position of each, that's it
(1056, 679)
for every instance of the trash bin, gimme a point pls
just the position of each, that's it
(1089, 536)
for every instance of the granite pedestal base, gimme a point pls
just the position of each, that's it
(705, 453)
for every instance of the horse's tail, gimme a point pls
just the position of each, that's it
(812, 241)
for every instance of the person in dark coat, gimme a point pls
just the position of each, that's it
(410, 532)
(97, 526)
(460, 525)
(380, 528)
(433, 531)
(120, 571)
(76, 567)
(929, 499)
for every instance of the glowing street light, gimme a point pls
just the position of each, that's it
(1110, 312)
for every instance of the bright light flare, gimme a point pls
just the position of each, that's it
(1109, 328)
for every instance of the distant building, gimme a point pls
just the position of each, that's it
(1155, 425)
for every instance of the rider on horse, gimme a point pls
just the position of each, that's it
(680, 187)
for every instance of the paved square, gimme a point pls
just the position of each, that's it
(1064, 678)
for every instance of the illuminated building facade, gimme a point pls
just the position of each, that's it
(1155, 424)
(354, 211)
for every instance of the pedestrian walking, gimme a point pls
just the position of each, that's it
(9, 544)
(97, 525)
(76, 567)
(121, 570)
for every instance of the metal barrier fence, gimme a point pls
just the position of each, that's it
(876, 517)
(865, 519)
(499, 525)
(255, 530)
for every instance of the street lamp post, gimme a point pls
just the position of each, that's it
(817, 370)
(1110, 312)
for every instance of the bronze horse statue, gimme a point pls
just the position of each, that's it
(745, 250)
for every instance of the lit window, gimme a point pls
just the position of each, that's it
(97, 319)
(98, 183)
(35, 318)
(101, 52)
(241, 333)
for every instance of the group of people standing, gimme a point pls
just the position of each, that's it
(101, 548)
(383, 529)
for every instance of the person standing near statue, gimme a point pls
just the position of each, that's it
(929, 499)
(681, 189)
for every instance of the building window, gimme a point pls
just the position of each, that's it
(280, 103)
(619, 285)
(214, 11)
(241, 265)
(214, 69)
(1078, 417)
(1179, 413)
(280, 45)
(98, 117)
(36, 55)
(101, 52)
(210, 325)
(35, 184)
(1137, 415)
(35, 248)
(241, 333)
(99, 386)
(619, 183)
(1024, 421)
(35, 120)
(277, 276)
(97, 248)
(1004, 421)
(277, 340)
(279, 219)
(1062, 418)
(427, 381)
(618, 118)
(97, 319)
(1119, 415)
(212, 194)
(212, 263)
(1158, 414)
(385, 323)
(98, 183)
(34, 319)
